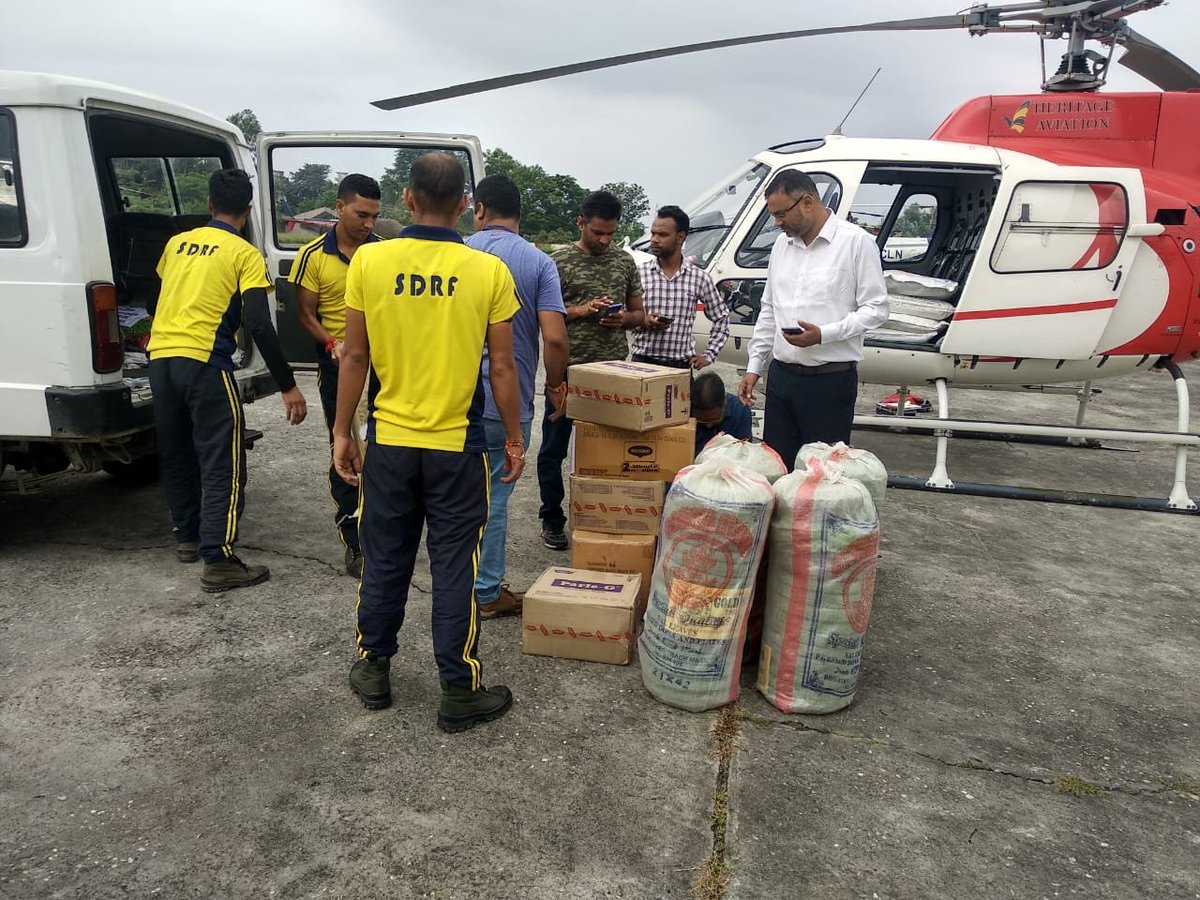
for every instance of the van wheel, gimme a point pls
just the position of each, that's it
(142, 470)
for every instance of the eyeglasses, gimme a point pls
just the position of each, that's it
(784, 212)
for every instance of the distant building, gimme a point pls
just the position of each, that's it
(317, 221)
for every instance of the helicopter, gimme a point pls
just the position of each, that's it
(1039, 242)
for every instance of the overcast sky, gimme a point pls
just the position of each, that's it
(676, 126)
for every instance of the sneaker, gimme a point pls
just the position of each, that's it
(462, 708)
(187, 551)
(507, 604)
(369, 678)
(354, 562)
(227, 574)
(555, 538)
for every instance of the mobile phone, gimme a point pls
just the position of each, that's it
(665, 320)
(792, 331)
(611, 310)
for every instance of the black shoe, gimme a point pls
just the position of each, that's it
(555, 538)
(354, 562)
(463, 708)
(369, 678)
(227, 574)
(187, 551)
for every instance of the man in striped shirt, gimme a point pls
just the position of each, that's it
(672, 287)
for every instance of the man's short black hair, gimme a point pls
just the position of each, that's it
(501, 197)
(437, 181)
(361, 185)
(793, 183)
(682, 222)
(708, 392)
(600, 205)
(230, 191)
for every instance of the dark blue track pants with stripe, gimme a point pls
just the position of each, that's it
(199, 420)
(403, 490)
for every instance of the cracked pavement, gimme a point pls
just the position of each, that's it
(1025, 725)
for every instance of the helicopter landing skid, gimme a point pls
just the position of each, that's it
(943, 428)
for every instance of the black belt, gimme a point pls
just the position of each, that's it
(824, 369)
(684, 363)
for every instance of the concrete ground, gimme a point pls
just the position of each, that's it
(1025, 726)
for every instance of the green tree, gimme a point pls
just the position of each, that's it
(549, 203)
(143, 184)
(393, 182)
(193, 192)
(915, 221)
(309, 187)
(634, 205)
(248, 122)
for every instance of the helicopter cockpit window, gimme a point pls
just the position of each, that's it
(756, 248)
(1061, 226)
(718, 209)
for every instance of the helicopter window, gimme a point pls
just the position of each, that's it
(1061, 226)
(912, 228)
(12, 220)
(718, 209)
(743, 297)
(756, 248)
(903, 221)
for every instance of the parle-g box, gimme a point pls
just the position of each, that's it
(579, 614)
(629, 395)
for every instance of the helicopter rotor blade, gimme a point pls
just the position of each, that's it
(1156, 64)
(977, 18)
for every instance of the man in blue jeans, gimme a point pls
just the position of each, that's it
(497, 224)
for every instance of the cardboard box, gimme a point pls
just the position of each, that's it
(577, 614)
(604, 452)
(632, 554)
(616, 506)
(633, 396)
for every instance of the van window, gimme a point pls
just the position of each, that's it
(191, 182)
(305, 181)
(172, 186)
(12, 225)
(143, 184)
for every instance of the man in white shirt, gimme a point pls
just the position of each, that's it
(824, 290)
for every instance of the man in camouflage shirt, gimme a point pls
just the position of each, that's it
(595, 276)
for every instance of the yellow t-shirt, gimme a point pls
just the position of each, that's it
(204, 273)
(428, 301)
(321, 268)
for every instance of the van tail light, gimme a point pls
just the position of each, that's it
(107, 354)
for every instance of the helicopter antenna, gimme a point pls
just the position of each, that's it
(838, 130)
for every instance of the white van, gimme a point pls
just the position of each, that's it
(94, 180)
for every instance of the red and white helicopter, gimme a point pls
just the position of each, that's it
(1057, 230)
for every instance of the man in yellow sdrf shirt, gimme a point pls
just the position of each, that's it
(211, 277)
(319, 274)
(419, 310)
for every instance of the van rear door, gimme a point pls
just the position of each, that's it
(298, 177)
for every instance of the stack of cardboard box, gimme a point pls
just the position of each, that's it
(633, 433)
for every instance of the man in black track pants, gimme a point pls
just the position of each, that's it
(419, 310)
(211, 276)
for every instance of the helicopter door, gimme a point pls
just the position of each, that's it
(1050, 267)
